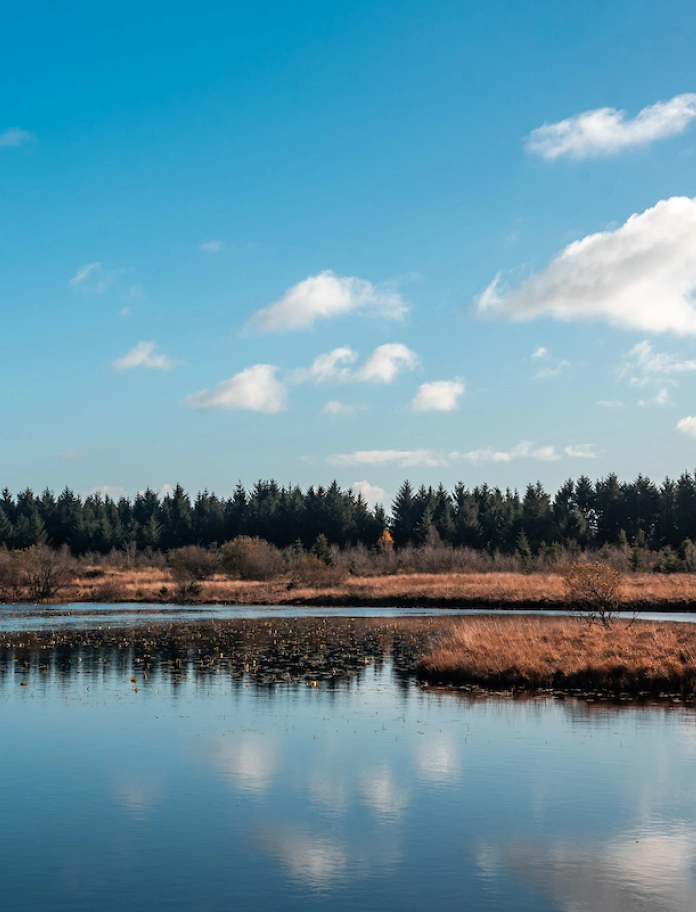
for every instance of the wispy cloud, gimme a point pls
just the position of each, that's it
(337, 408)
(581, 451)
(70, 454)
(661, 398)
(548, 373)
(327, 295)
(382, 366)
(643, 363)
(400, 458)
(523, 450)
(438, 396)
(640, 276)
(211, 246)
(610, 403)
(144, 354)
(371, 494)
(606, 131)
(540, 352)
(92, 279)
(14, 136)
(255, 389)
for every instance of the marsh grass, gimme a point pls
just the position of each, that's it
(565, 653)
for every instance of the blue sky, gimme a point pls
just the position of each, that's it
(363, 241)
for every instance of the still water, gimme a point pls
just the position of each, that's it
(190, 791)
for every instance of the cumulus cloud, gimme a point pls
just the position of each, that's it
(329, 367)
(111, 491)
(256, 389)
(438, 396)
(606, 131)
(662, 397)
(14, 136)
(641, 276)
(211, 246)
(144, 354)
(372, 494)
(540, 352)
(327, 295)
(524, 449)
(382, 366)
(400, 458)
(687, 425)
(385, 362)
(581, 451)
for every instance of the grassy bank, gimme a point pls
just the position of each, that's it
(565, 654)
(447, 590)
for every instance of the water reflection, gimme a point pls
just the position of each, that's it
(196, 786)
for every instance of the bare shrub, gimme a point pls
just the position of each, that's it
(110, 590)
(310, 570)
(10, 582)
(44, 572)
(194, 562)
(251, 559)
(593, 589)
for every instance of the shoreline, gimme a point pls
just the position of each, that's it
(516, 655)
(506, 591)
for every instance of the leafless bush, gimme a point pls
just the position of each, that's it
(309, 570)
(43, 572)
(593, 589)
(110, 590)
(194, 562)
(10, 582)
(251, 559)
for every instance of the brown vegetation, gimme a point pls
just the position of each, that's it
(565, 653)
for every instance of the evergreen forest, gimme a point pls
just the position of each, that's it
(581, 515)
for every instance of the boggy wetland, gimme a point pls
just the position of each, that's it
(153, 759)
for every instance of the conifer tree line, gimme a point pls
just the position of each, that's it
(582, 514)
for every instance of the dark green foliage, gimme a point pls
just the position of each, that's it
(582, 515)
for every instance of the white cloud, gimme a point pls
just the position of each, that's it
(14, 136)
(581, 451)
(112, 491)
(83, 272)
(70, 454)
(337, 408)
(211, 246)
(540, 352)
(328, 295)
(328, 367)
(547, 373)
(144, 354)
(438, 396)
(255, 389)
(372, 494)
(523, 450)
(382, 366)
(662, 397)
(687, 425)
(641, 276)
(385, 362)
(643, 359)
(606, 131)
(611, 403)
(92, 279)
(400, 458)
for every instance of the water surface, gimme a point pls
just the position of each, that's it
(192, 790)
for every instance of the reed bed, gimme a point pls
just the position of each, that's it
(565, 654)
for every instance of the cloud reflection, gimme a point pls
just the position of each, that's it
(641, 872)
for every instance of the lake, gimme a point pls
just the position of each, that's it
(206, 791)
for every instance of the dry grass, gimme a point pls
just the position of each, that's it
(565, 653)
(510, 590)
